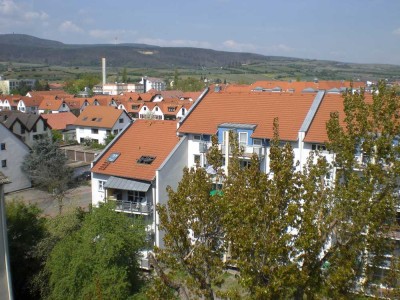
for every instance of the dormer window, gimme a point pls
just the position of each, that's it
(171, 109)
(147, 160)
(135, 106)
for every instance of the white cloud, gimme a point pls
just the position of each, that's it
(174, 43)
(396, 31)
(19, 16)
(241, 47)
(8, 7)
(69, 26)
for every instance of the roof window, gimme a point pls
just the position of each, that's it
(147, 160)
(113, 156)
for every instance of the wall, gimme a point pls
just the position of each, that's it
(14, 154)
(169, 174)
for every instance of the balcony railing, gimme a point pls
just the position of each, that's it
(133, 207)
(248, 150)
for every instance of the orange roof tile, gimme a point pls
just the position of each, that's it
(250, 108)
(50, 104)
(59, 121)
(99, 116)
(330, 103)
(155, 138)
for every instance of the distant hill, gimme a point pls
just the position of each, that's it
(22, 48)
(28, 49)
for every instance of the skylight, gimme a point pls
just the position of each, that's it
(113, 156)
(147, 160)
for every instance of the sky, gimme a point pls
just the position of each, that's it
(358, 31)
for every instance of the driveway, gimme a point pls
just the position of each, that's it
(77, 197)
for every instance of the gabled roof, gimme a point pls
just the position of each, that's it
(31, 101)
(59, 121)
(143, 138)
(27, 119)
(250, 108)
(51, 94)
(99, 116)
(52, 105)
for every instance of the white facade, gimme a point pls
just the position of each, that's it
(99, 134)
(12, 154)
(6, 86)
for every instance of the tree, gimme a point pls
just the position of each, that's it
(74, 86)
(25, 229)
(98, 261)
(124, 76)
(193, 237)
(57, 229)
(46, 167)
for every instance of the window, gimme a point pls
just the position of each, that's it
(108, 131)
(197, 159)
(243, 138)
(171, 109)
(156, 108)
(183, 111)
(197, 137)
(318, 147)
(147, 160)
(34, 129)
(136, 196)
(101, 185)
(135, 106)
(4, 163)
(22, 130)
(3, 146)
(115, 131)
(257, 142)
(245, 164)
(95, 131)
(113, 156)
(121, 120)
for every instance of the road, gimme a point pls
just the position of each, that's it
(77, 197)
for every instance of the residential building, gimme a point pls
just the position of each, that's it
(53, 106)
(8, 85)
(29, 127)
(12, 155)
(62, 123)
(135, 169)
(96, 122)
(153, 83)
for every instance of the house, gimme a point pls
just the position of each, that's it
(12, 155)
(53, 106)
(61, 122)
(29, 104)
(132, 170)
(96, 122)
(5, 268)
(29, 127)
(153, 83)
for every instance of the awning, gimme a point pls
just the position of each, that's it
(126, 184)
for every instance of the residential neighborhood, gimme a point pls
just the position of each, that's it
(147, 139)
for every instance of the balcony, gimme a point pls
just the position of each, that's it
(248, 150)
(132, 207)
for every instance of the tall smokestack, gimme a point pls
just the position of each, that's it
(103, 65)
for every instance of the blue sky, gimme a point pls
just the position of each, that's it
(361, 31)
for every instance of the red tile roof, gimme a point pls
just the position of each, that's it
(330, 103)
(99, 116)
(142, 138)
(52, 105)
(59, 121)
(250, 108)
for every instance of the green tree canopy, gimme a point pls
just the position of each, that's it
(98, 261)
(46, 166)
(25, 229)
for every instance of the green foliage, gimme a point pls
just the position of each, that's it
(109, 138)
(25, 229)
(56, 136)
(46, 166)
(191, 209)
(79, 84)
(99, 260)
(22, 90)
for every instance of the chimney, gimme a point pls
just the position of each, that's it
(103, 65)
